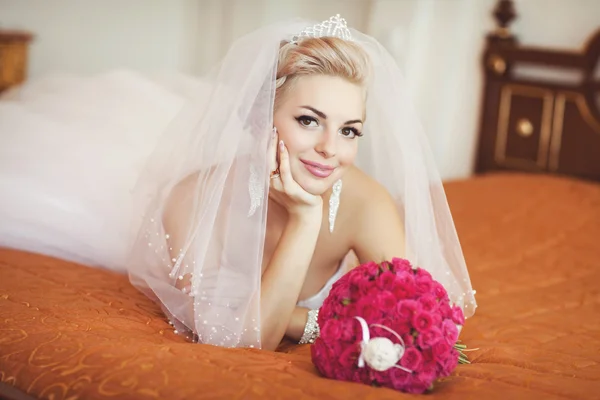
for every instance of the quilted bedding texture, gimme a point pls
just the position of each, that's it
(532, 246)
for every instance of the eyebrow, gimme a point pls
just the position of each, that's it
(322, 115)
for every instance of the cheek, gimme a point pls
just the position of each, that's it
(295, 138)
(347, 152)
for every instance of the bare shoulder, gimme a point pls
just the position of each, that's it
(364, 193)
(375, 223)
(180, 196)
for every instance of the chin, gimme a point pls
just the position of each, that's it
(313, 185)
(315, 188)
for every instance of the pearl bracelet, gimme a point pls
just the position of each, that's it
(311, 329)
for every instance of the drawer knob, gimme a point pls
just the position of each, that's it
(524, 127)
(497, 64)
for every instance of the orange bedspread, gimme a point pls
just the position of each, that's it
(533, 248)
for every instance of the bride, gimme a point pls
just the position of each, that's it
(249, 192)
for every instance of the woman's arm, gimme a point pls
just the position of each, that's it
(283, 279)
(297, 323)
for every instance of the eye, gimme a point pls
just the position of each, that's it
(351, 132)
(307, 121)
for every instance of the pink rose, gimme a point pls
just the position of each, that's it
(424, 284)
(382, 377)
(427, 354)
(321, 359)
(441, 350)
(437, 319)
(439, 291)
(371, 291)
(341, 289)
(331, 331)
(406, 277)
(377, 331)
(406, 309)
(400, 326)
(445, 309)
(423, 274)
(422, 321)
(427, 373)
(386, 281)
(365, 286)
(338, 309)
(325, 314)
(429, 338)
(349, 329)
(386, 301)
(401, 265)
(411, 359)
(350, 309)
(357, 278)
(348, 359)
(342, 374)
(404, 286)
(371, 269)
(457, 315)
(449, 332)
(336, 348)
(369, 311)
(449, 363)
(361, 375)
(428, 303)
(408, 339)
(399, 379)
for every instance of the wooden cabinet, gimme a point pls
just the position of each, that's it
(14, 49)
(540, 110)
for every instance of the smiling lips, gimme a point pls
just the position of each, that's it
(318, 170)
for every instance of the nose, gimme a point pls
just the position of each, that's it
(327, 143)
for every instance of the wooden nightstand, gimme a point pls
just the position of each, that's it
(14, 49)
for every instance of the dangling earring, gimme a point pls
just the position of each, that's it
(255, 190)
(334, 203)
(256, 186)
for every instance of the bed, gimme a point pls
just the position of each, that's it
(529, 223)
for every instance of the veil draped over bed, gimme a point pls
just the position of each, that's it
(217, 146)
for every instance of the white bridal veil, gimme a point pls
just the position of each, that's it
(212, 163)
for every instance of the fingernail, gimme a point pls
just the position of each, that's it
(281, 145)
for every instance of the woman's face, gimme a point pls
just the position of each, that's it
(320, 120)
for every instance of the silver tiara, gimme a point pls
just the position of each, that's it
(333, 27)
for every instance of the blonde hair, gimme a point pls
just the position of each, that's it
(329, 56)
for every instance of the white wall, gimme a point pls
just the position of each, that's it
(89, 36)
(556, 23)
(437, 42)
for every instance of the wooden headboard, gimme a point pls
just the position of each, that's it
(541, 107)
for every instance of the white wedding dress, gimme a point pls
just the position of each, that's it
(88, 167)
(71, 151)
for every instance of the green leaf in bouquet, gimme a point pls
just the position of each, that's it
(462, 350)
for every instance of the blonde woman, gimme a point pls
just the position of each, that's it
(305, 160)
(234, 201)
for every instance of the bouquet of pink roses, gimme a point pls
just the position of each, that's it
(390, 325)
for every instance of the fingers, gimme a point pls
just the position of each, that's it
(273, 164)
(274, 182)
(284, 166)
